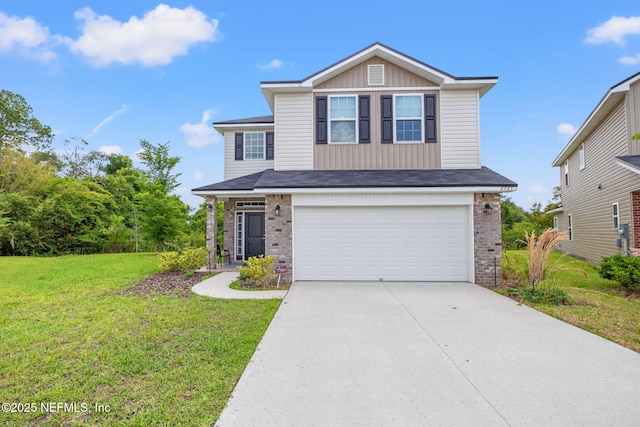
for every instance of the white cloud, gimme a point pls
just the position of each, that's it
(109, 119)
(566, 129)
(156, 39)
(275, 64)
(198, 176)
(200, 134)
(615, 30)
(110, 149)
(538, 189)
(630, 60)
(28, 38)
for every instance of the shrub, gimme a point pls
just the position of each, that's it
(189, 259)
(259, 269)
(538, 252)
(169, 261)
(193, 258)
(624, 270)
(545, 293)
(513, 269)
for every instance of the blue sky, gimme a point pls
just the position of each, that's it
(114, 73)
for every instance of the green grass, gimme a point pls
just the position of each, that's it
(68, 335)
(597, 305)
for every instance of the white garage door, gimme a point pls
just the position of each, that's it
(408, 243)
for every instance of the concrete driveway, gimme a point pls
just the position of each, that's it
(423, 354)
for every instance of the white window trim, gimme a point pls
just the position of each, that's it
(330, 119)
(581, 156)
(570, 226)
(395, 119)
(566, 173)
(264, 146)
(238, 240)
(555, 224)
(616, 215)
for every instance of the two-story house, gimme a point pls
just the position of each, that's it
(599, 177)
(368, 170)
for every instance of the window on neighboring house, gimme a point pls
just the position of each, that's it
(408, 118)
(616, 216)
(570, 226)
(254, 146)
(342, 119)
(581, 156)
(555, 224)
(566, 172)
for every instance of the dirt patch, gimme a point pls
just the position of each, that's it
(172, 282)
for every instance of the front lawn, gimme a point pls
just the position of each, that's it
(77, 349)
(597, 305)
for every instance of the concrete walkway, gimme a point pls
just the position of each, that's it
(429, 354)
(218, 287)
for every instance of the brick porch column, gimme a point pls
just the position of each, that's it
(278, 232)
(212, 228)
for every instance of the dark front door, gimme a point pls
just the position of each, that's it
(254, 237)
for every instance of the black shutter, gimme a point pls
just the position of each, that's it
(386, 107)
(269, 146)
(364, 121)
(430, 118)
(239, 146)
(321, 120)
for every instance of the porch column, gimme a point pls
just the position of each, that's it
(212, 227)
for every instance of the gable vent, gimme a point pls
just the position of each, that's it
(376, 75)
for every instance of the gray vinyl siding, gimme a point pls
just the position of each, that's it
(592, 191)
(237, 168)
(633, 117)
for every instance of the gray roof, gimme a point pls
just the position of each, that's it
(426, 178)
(250, 120)
(631, 160)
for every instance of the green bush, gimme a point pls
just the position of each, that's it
(544, 293)
(192, 258)
(169, 261)
(622, 269)
(259, 269)
(514, 269)
(188, 259)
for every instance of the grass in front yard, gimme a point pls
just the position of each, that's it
(69, 335)
(597, 305)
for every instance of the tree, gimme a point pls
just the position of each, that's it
(159, 165)
(76, 162)
(162, 217)
(18, 127)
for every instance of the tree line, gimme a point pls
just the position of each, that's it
(78, 200)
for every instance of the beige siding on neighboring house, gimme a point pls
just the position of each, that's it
(591, 192)
(237, 168)
(460, 129)
(357, 77)
(633, 117)
(293, 131)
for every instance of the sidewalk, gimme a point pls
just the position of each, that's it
(218, 287)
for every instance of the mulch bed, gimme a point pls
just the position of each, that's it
(172, 282)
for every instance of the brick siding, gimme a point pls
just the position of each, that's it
(487, 243)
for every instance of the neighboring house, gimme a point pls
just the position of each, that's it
(599, 177)
(367, 170)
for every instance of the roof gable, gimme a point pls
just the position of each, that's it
(442, 79)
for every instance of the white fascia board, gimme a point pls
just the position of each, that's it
(369, 190)
(627, 166)
(269, 90)
(556, 210)
(244, 193)
(243, 126)
(481, 85)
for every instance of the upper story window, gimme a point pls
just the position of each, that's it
(616, 216)
(408, 118)
(566, 172)
(342, 119)
(581, 156)
(254, 146)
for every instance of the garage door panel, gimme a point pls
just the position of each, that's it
(393, 243)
